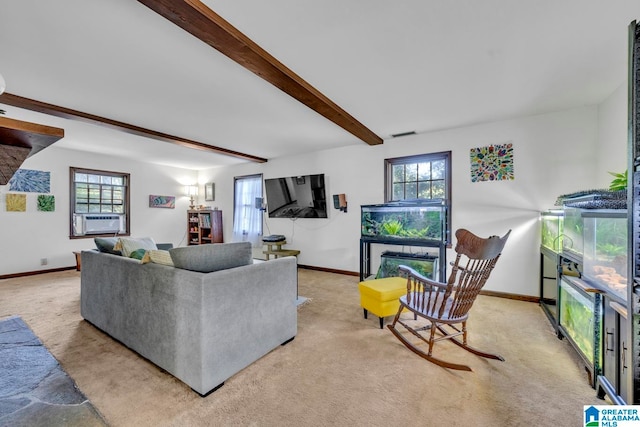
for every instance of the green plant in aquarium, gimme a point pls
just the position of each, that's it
(392, 227)
(610, 250)
(434, 221)
(619, 181)
(424, 268)
(390, 267)
(611, 237)
(415, 233)
(576, 316)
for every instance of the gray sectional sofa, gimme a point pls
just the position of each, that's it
(201, 327)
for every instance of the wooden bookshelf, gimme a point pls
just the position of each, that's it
(204, 226)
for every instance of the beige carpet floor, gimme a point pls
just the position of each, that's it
(341, 370)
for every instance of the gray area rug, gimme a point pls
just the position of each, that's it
(34, 389)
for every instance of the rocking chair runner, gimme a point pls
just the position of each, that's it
(445, 305)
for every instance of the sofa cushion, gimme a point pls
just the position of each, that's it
(106, 244)
(212, 257)
(138, 254)
(158, 257)
(130, 244)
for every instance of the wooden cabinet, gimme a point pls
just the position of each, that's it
(204, 226)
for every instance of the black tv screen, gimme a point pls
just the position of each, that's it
(296, 197)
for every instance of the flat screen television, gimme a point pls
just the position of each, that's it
(296, 197)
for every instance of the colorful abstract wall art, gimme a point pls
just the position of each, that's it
(16, 202)
(46, 203)
(30, 181)
(492, 163)
(162, 201)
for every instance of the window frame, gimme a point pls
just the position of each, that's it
(72, 200)
(420, 158)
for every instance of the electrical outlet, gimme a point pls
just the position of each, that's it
(44, 261)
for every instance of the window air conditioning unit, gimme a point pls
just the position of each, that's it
(101, 223)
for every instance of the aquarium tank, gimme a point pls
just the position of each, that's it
(572, 240)
(424, 264)
(577, 318)
(575, 205)
(404, 221)
(605, 249)
(552, 226)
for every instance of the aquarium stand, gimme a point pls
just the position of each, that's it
(550, 270)
(365, 253)
(614, 381)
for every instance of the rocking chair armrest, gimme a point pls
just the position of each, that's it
(406, 271)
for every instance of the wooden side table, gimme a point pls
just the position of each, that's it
(275, 249)
(78, 261)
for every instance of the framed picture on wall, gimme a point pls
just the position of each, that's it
(168, 202)
(209, 192)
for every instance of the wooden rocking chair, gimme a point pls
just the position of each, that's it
(444, 305)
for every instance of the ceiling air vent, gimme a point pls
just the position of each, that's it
(397, 135)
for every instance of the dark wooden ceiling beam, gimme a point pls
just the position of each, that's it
(67, 113)
(200, 21)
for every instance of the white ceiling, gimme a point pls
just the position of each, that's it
(396, 66)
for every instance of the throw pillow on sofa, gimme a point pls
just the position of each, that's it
(106, 244)
(130, 244)
(212, 257)
(157, 257)
(138, 254)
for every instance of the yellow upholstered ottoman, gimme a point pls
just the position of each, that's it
(381, 296)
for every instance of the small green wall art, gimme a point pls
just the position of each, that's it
(46, 203)
(16, 202)
(168, 202)
(492, 163)
(30, 181)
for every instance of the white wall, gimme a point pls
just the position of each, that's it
(29, 236)
(554, 154)
(612, 150)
